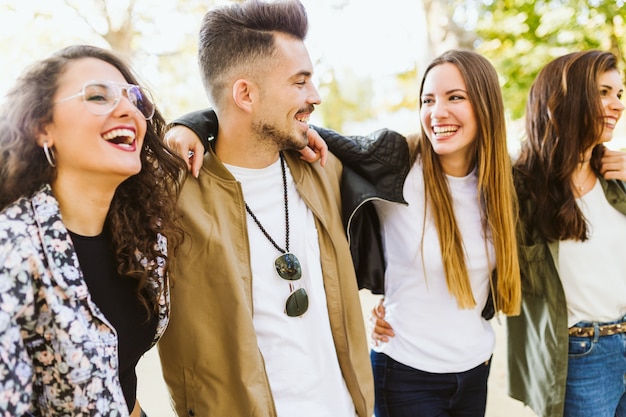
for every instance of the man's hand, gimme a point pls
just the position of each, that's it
(380, 329)
(187, 145)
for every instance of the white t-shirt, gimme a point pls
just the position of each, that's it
(431, 333)
(593, 272)
(299, 353)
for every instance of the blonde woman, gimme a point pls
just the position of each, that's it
(450, 254)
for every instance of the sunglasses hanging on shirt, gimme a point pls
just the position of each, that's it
(287, 265)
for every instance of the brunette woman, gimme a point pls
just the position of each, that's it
(87, 199)
(567, 350)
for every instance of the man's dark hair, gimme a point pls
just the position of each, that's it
(235, 37)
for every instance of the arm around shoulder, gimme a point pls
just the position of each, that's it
(202, 122)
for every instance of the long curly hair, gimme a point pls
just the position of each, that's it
(143, 210)
(495, 186)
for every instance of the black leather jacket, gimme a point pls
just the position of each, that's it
(375, 168)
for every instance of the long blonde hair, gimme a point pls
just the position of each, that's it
(496, 191)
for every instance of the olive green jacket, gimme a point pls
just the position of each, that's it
(209, 353)
(538, 338)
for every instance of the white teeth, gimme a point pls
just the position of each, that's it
(121, 136)
(444, 130)
(609, 121)
(302, 119)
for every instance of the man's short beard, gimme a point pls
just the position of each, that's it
(281, 139)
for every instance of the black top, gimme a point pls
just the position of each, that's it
(115, 297)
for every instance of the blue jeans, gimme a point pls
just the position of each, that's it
(596, 375)
(402, 391)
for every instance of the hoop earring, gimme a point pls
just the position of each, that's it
(49, 154)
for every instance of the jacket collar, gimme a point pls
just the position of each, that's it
(215, 166)
(301, 173)
(614, 191)
(57, 244)
(61, 258)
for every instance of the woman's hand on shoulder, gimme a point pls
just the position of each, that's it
(187, 145)
(613, 165)
(316, 150)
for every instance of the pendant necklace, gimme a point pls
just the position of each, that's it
(258, 223)
(287, 265)
(581, 187)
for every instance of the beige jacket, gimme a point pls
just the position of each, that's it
(211, 362)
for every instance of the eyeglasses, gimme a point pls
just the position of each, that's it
(288, 267)
(101, 97)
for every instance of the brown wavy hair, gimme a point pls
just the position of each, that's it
(495, 186)
(143, 209)
(562, 113)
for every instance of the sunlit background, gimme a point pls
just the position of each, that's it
(348, 41)
(368, 55)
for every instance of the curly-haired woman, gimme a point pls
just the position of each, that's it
(87, 200)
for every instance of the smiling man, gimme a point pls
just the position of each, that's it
(266, 319)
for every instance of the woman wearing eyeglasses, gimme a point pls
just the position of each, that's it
(87, 193)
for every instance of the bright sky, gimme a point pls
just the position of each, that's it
(362, 38)
(367, 40)
(363, 35)
(358, 37)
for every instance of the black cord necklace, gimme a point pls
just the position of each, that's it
(287, 265)
(267, 235)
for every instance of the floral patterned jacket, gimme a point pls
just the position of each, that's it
(58, 353)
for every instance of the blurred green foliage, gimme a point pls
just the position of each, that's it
(518, 36)
(521, 36)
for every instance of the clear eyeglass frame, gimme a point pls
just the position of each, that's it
(101, 97)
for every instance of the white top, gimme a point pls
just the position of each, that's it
(593, 272)
(299, 353)
(431, 333)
